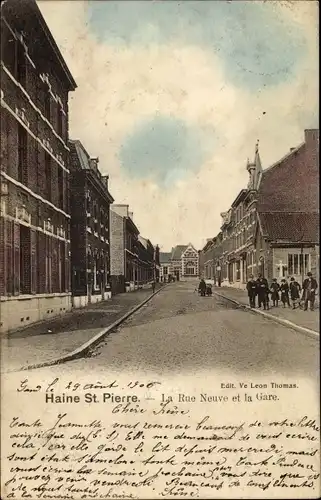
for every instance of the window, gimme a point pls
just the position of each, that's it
(298, 264)
(238, 271)
(21, 65)
(96, 284)
(48, 175)
(60, 118)
(25, 260)
(165, 270)
(47, 103)
(22, 155)
(190, 268)
(8, 49)
(62, 274)
(60, 187)
(48, 264)
(88, 203)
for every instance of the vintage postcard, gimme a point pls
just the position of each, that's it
(159, 250)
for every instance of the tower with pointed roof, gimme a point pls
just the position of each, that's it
(254, 169)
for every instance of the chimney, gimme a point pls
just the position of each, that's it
(105, 180)
(94, 163)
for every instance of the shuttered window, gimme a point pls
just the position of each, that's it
(41, 288)
(61, 193)
(9, 256)
(55, 265)
(16, 267)
(67, 268)
(2, 258)
(25, 260)
(22, 155)
(47, 103)
(21, 65)
(34, 263)
(62, 267)
(48, 264)
(48, 176)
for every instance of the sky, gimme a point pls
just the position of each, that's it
(172, 97)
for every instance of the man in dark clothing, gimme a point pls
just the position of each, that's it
(309, 288)
(202, 288)
(284, 290)
(251, 290)
(262, 292)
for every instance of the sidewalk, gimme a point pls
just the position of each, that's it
(59, 336)
(306, 319)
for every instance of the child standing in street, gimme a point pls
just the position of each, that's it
(295, 289)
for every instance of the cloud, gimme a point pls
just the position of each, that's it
(122, 86)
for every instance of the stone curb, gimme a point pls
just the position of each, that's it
(84, 348)
(284, 322)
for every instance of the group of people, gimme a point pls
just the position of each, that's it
(204, 288)
(284, 291)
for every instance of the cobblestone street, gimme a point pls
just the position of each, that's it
(179, 331)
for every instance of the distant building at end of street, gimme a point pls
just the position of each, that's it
(181, 263)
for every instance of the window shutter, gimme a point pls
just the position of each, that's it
(2, 258)
(16, 258)
(41, 260)
(48, 264)
(55, 265)
(33, 263)
(41, 171)
(67, 268)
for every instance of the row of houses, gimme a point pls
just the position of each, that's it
(272, 226)
(63, 241)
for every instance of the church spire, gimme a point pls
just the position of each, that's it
(254, 168)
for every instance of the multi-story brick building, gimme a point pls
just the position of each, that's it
(90, 228)
(34, 230)
(134, 259)
(272, 227)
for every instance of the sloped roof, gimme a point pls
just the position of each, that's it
(164, 257)
(290, 185)
(178, 251)
(143, 241)
(28, 10)
(291, 227)
(82, 154)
